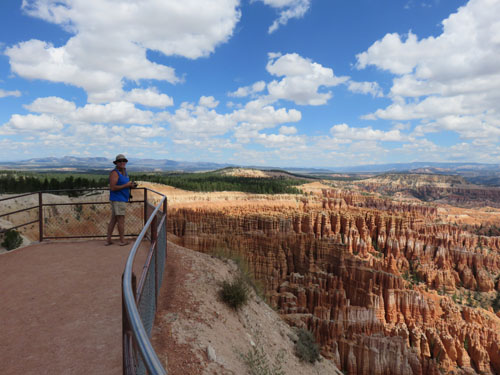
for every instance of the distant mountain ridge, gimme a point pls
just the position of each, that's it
(86, 163)
(481, 173)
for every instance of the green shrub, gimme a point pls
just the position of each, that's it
(12, 239)
(257, 362)
(79, 211)
(234, 293)
(243, 268)
(306, 347)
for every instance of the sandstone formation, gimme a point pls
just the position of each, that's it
(385, 286)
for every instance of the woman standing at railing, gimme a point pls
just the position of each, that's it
(119, 193)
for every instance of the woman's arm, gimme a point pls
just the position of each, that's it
(113, 180)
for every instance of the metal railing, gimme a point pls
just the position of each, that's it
(4, 211)
(140, 301)
(82, 217)
(49, 215)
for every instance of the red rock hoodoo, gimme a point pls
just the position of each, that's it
(384, 286)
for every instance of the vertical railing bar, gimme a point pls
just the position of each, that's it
(40, 216)
(127, 344)
(154, 238)
(156, 274)
(165, 212)
(154, 232)
(145, 206)
(144, 275)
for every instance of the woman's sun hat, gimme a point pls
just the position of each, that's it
(120, 157)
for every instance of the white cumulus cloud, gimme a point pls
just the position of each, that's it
(302, 79)
(249, 90)
(110, 40)
(115, 112)
(149, 97)
(31, 124)
(288, 9)
(262, 115)
(200, 121)
(450, 81)
(279, 140)
(111, 113)
(51, 104)
(288, 130)
(4, 93)
(344, 131)
(208, 101)
(136, 131)
(371, 88)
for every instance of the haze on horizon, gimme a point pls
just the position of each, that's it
(263, 82)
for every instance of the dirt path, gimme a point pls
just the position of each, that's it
(60, 309)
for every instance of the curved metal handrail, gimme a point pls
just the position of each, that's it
(148, 354)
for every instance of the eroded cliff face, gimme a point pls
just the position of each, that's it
(431, 187)
(384, 286)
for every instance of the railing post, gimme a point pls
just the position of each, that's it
(145, 206)
(154, 231)
(40, 217)
(165, 208)
(154, 241)
(127, 343)
(156, 275)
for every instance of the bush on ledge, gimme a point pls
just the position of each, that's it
(234, 293)
(12, 239)
(306, 347)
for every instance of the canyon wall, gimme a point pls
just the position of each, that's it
(385, 287)
(451, 189)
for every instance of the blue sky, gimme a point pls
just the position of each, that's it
(288, 83)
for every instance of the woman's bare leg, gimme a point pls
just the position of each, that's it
(120, 220)
(111, 227)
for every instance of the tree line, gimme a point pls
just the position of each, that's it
(209, 182)
(18, 182)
